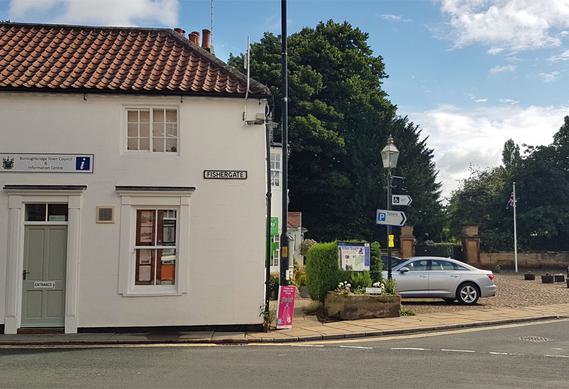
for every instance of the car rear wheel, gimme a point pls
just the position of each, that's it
(468, 293)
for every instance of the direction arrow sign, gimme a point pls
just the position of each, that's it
(390, 218)
(401, 200)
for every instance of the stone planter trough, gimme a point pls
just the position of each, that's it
(361, 306)
(547, 279)
(529, 276)
(559, 278)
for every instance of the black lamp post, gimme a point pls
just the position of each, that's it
(389, 156)
(284, 263)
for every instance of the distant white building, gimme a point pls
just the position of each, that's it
(132, 190)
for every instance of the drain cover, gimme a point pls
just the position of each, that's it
(534, 339)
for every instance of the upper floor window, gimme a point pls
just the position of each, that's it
(152, 130)
(275, 169)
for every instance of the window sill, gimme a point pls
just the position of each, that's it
(151, 292)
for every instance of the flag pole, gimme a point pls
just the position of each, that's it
(515, 229)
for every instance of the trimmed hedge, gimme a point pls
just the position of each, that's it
(323, 273)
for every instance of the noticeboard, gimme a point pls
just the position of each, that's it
(354, 256)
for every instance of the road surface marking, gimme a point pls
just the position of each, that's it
(557, 356)
(358, 347)
(410, 348)
(497, 353)
(450, 350)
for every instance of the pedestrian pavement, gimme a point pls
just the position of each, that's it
(306, 328)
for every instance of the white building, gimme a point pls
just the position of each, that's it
(132, 190)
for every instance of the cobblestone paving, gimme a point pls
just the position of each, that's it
(513, 292)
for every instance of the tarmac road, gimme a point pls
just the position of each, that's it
(516, 356)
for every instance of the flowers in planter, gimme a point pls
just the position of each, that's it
(379, 285)
(344, 287)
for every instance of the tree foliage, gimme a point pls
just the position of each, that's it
(542, 186)
(340, 118)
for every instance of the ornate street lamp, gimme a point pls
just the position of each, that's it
(389, 156)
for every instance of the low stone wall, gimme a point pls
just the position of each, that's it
(361, 306)
(545, 260)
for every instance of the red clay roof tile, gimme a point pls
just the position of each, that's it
(36, 57)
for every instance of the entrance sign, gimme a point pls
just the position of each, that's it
(354, 256)
(403, 200)
(285, 306)
(44, 284)
(390, 218)
(46, 163)
(225, 174)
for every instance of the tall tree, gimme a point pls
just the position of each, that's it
(340, 118)
(511, 156)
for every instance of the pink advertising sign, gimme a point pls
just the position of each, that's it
(285, 311)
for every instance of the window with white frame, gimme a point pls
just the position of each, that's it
(275, 169)
(153, 130)
(275, 250)
(155, 247)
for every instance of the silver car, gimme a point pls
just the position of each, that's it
(442, 277)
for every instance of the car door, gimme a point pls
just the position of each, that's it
(415, 282)
(443, 278)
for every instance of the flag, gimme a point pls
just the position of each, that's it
(511, 201)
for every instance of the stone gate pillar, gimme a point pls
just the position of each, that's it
(407, 242)
(471, 244)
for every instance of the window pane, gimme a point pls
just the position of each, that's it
(144, 267)
(57, 212)
(166, 228)
(418, 265)
(171, 116)
(133, 143)
(166, 267)
(145, 116)
(158, 115)
(145, 220)
(35, 212)
(158, 129)
(133, 116)
(144, 144)
(145, 130)
(172, 145)
(158, 144)
(171, 130)
(132, 130)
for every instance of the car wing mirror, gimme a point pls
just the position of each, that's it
(404, 269)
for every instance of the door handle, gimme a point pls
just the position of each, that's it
(25, 274)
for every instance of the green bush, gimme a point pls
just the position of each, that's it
(322, 271)
(376, 266)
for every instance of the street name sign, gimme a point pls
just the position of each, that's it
(401, 200)
(390, 218)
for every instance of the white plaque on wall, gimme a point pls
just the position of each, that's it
(46, 163)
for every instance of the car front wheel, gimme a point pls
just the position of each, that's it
(468, 293)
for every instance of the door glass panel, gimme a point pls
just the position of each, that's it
(57, 212)
(35, 212)
(418, 265)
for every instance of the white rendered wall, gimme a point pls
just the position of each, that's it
(227, 218)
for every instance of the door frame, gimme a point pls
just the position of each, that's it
(18, 197)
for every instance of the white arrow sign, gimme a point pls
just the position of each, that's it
(390, 218)
(401, 200)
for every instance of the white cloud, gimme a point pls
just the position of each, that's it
(511, 24)
(502, 69)
(549, 77)
(462, 138)
(395, 18)
(495, 50)
(480, 100)
(564, 56)
(508, 101)
(105, 12)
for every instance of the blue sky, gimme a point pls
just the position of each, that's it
(471, 73)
